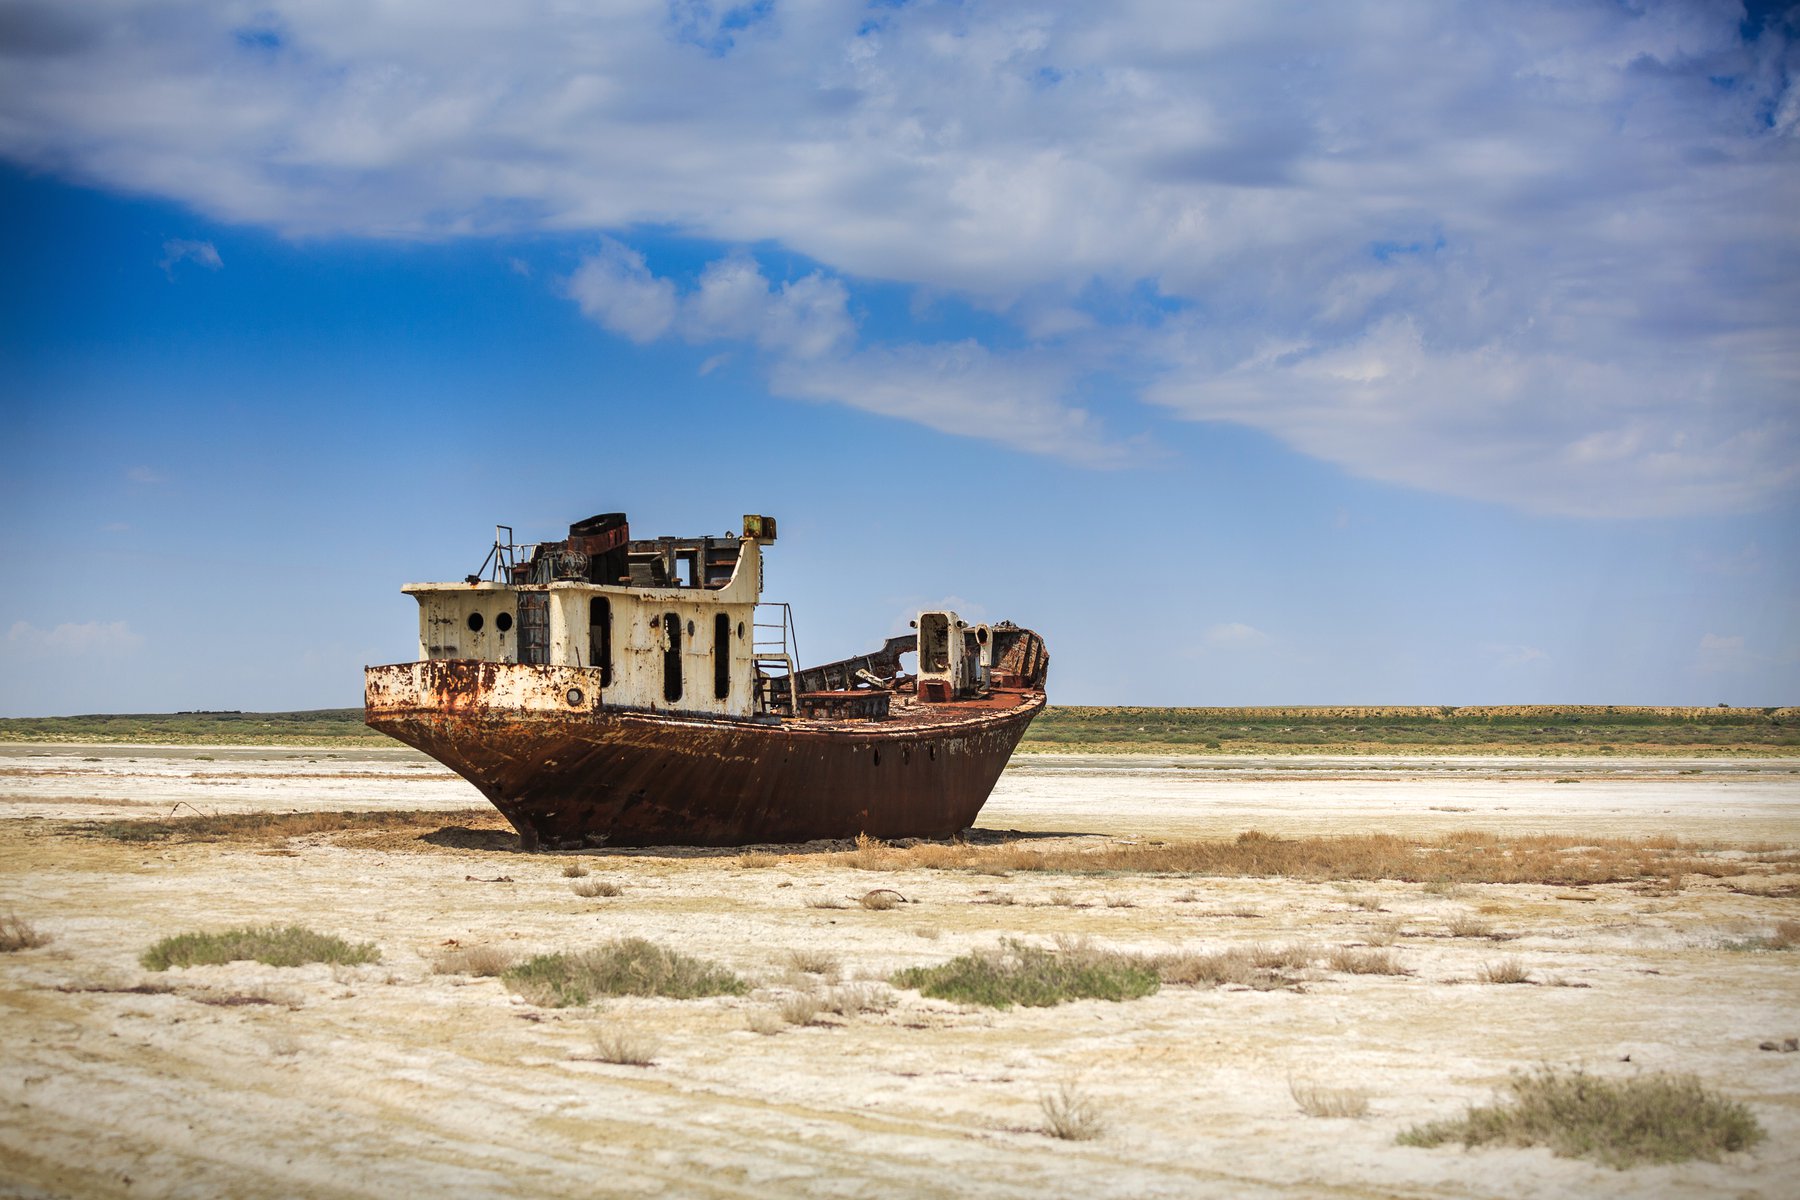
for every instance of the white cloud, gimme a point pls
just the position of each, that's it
(617, 291)
(1531, 252)
(1015, 400)
(1514, 656)
(179, 250)
(91, 639)
(1235, 636)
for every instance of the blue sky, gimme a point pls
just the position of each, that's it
(1254, 353)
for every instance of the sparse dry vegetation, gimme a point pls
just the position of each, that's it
(1071, 1115)
(801, 1008)
(1263, 968)
(1619, 1122)
(813, 962)
(273, 945)
(1316, 1100)
(1444, 864)
(755, 861)
(17, 934)
(627, 967)
(852, 999)
(1507, 970)
(1018, 973)
(1353, 961)
(589, 888)
(880, 899)
(574, 870)
(624, 1047)
(486, 962)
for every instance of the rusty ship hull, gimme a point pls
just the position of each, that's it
(603, 777)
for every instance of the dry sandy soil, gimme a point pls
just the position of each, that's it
(390, 1079)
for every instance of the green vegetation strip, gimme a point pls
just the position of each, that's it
(1619, 1122)
(627, 967)
(1525, 729)
(278, 946)
(1017, 973)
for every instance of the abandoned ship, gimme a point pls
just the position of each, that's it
(602, 690)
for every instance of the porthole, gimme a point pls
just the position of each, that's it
(690, 629)
(503, 622)
(878, 758)
(656, 622)
(575, 697)
(475, 622)
(740, 631)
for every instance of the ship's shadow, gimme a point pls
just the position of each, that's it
(505, 841)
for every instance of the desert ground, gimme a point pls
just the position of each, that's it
(394, 1078)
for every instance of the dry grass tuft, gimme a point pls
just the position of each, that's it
(881, 899)
(624, 1047)
(825, 902)
(1316, 1100)
(627, 967)
(487, 962)
(1264, 968)
(1367, 901)
(765, 1022)
(1018, 973)
(589, 888)
(813, 962)
(17, 934)
(574, 870)
(1070, 1115)
(1619, 1122)
(754, 861)
(1444, 864)
(852, 999)
(802, 1008)
(272, 945)
(1353, 961)
(1507, 970)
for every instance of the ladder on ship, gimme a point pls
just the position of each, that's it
(776, 649)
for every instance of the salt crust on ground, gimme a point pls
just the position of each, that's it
(388, 1079)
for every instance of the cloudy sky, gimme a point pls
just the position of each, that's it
(1259, 352)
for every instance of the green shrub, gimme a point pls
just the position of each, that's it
(628, 967)
(1620, 1122)
(275, 945)
(1016, 973)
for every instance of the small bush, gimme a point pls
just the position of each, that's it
(574, 870)
(1467, 925)
(853, 999)
(1317, 1101)
(825, 902)
(1352, 961)
(1016, 973)
(881, 899)
(589, 888)
(802, 1008)
(753, 861)
(813, 962)
(1264, 968)
(624, 1047)
(487, 962)
(273, 945)
(766, 1023)
(16, 934)
(1507, 970)
(1070, 1115)
(628, 967)
(1619, 1122)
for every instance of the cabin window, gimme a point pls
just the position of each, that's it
(503, 622)
(672, 658)
(721, 656)
(475, 622)
(600, 638)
